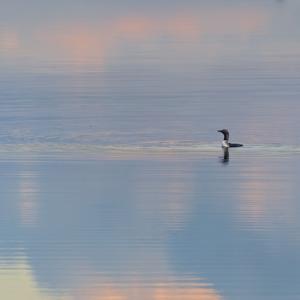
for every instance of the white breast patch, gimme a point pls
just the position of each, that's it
(225, 144)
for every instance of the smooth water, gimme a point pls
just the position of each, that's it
(113, 182)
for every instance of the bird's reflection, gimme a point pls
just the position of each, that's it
(225, 158)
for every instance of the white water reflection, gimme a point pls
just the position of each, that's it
(18, 282)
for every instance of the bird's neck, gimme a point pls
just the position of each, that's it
(226, 136)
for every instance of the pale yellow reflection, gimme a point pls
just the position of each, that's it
(17, 282)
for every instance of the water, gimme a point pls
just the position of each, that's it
(113, 182)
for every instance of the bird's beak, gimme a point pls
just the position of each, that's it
(219, 130)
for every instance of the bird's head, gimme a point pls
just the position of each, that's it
(225, 133)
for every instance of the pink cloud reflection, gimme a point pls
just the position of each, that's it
(83, 41)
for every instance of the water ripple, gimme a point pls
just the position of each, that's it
(146, 149)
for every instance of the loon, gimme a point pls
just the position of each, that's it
(225, 143)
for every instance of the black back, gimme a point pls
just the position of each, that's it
(235, 145)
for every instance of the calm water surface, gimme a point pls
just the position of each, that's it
(114, 185)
